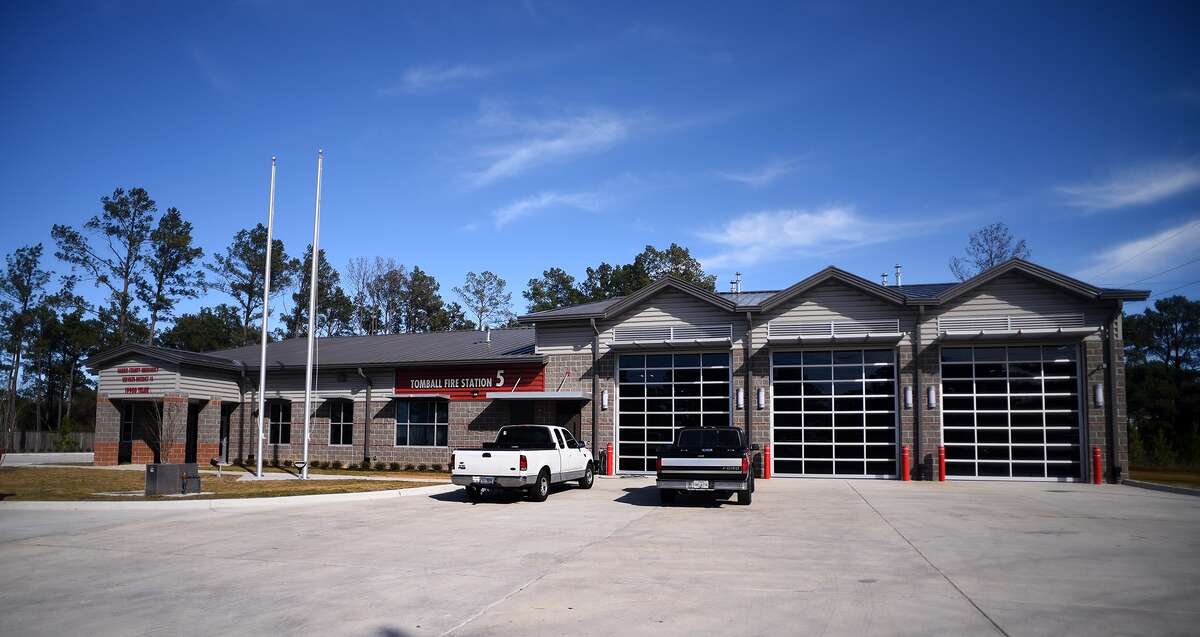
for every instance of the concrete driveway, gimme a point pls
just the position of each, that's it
(829, 557)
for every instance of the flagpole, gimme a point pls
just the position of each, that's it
(312, 311)
(262, 362)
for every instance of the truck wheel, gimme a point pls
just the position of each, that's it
(588, 478)
(540, 489)
(666, 496)
(745, 496)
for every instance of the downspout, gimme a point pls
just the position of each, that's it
(916, 346)
(366, 418)
(595, 387)
(1110, 407)
(749, 379)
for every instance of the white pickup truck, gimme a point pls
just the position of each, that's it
(529, 457)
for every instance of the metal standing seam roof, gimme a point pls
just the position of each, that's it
(467, 346)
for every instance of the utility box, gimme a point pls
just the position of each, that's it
(172, 479)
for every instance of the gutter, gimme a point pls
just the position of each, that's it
(366, 417)
(917, 402)
(595, 387)
(749, 379)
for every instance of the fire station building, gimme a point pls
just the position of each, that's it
(1017, 373)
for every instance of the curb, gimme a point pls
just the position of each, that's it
(1155, 486)
(222, 503)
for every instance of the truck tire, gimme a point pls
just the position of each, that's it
(666, 496)
(540, 489)
(589, 476)
(745, 496)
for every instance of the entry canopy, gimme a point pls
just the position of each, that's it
(539, 395)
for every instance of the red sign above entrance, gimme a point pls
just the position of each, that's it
(471, 382)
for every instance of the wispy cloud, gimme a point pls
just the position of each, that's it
(774, 235)
(520, 208)
(1133, 262)
(523, 143)
(762, 176)
(210, 71)
(1138, 186)
(427, 79)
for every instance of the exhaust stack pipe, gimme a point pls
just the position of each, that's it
(898, 284)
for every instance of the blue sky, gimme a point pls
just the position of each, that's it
(770, 139)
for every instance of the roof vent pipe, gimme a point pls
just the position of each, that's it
(487, 333)
(883, 279)
(735, 286)
(898, 284)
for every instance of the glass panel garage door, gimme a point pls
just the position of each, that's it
(834, 413)
(659, 393)
(1011, 412)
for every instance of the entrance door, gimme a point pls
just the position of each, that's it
(834, 413)
(125, 441)
(193, 432)
(566, 415)
(226, 416)
(1011, 412)
(659, 393)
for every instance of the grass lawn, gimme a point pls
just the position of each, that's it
(1180, 477)
(432, 476)
(31, 483)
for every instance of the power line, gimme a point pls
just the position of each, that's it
(1173, 235)
(1178, 287)
(1163, 272)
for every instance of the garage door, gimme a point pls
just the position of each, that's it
(659, 393)
(834, 413)
(1011, 412)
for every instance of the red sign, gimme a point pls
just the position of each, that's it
(470, 383)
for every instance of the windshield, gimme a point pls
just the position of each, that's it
(524, 436)
(725, 437)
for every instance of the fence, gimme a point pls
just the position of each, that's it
(35, 441)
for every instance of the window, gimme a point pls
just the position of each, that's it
(280, 415)
(341, 422)
(524, 437)
(562, 442)
(571, 442)
(127, 418)
(422, 422)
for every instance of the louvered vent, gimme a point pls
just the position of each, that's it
(667, 333)
(1010, 323)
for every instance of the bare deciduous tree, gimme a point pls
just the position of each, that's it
(165, 429)
(487, 297)
(988, 247)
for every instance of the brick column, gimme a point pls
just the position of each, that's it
(108, 431)
(208, 431)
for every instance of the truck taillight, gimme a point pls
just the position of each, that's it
(524, 463)
(745, 461)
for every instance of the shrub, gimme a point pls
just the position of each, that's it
(407, 467)
(336, 464)
(238, 461)
(286, 463)
(393, 466)
(379, 466)
(420, 467)
(436, 466)
(274, 461)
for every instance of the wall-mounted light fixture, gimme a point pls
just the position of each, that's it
(932, 394)
(604, 400)
(908, 396)
(741, 398)
(762, 397)
(1099, 394)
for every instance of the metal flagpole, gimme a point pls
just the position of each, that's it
(262, 362)
(312, 311)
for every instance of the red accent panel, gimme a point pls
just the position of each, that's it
(471, 382)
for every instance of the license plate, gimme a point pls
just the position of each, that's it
(483, 479)
(698, 484)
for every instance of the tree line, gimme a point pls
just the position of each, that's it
(145, 264)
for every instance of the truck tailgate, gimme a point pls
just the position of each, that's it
(486, 462)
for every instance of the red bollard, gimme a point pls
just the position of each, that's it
(1097, 466)
(905, 461)
(941, 463)
(608, 459)
(767, 461)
